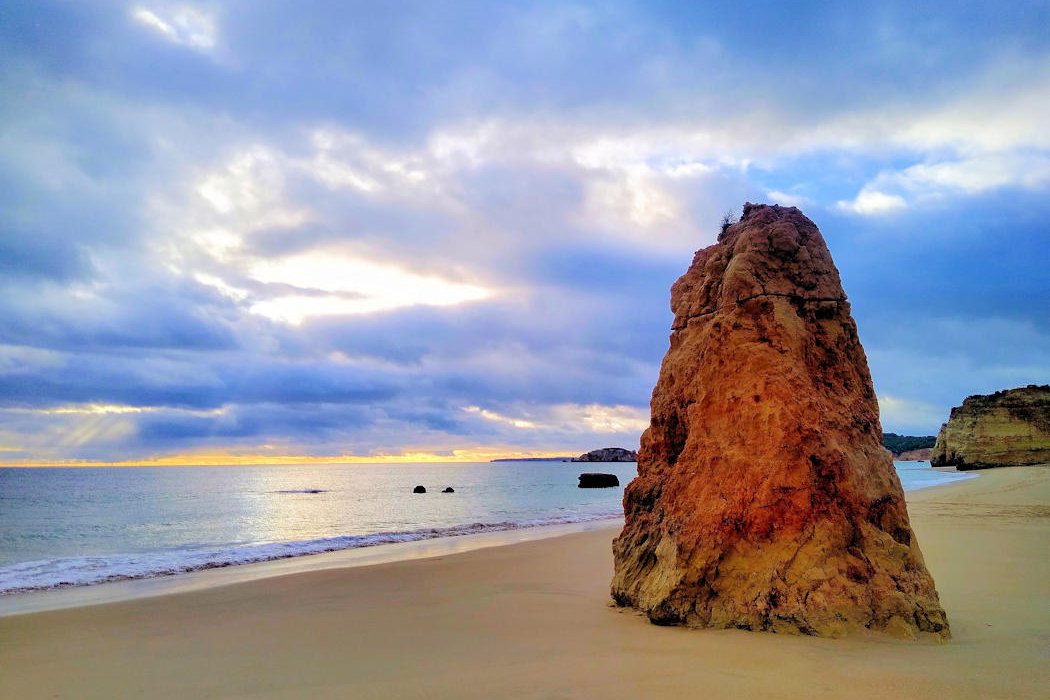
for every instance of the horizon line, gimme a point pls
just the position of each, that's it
(460, 456)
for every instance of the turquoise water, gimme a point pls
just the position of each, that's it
(67, 527)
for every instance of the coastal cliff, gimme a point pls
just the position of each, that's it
(765, 500)
(1009, 427)
(920, 455)
(608, 454)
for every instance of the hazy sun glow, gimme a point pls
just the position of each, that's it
(223, 458)
(352, 286)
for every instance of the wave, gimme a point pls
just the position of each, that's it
(90, 570)
(67, 572)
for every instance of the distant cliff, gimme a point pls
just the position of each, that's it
(1009, 427)
(899, 444)
(608, 454)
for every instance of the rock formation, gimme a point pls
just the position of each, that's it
(596, 480)
(899, 444)
(1009, 427)
(765, 500)
(920, 455)
(608, 454)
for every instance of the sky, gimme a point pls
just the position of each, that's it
(270, 231)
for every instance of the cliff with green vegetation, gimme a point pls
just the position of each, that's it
(899, 444)
(1009, 427)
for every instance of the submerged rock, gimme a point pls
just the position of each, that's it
(448, 489)
(765, 500)
(596, 480)
(419, 489)
(608, 454)
(1009, 427)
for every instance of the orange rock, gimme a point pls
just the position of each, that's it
(765, 500)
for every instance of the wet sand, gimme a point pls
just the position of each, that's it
(534, 620)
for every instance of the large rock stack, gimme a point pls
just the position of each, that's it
(1009, 427)
(765, 500)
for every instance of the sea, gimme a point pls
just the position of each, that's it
(64, 527)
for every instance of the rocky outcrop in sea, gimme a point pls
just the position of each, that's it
(1009, 427)
(608, 454)
(765, 500)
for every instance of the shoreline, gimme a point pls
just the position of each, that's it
(134, 587)
(74, 596)
(535, 620)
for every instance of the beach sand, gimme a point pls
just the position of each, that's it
(534, 620)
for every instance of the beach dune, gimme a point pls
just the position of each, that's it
(534, 620)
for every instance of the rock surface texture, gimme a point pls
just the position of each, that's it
(1010, 427)
(765, 500)
(608, 454)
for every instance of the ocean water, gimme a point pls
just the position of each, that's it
(75, 527)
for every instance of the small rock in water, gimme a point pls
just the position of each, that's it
(449, 489)
(419, 489)
(598, 481)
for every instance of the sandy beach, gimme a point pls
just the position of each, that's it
(534, 620)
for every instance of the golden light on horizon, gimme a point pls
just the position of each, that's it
(220, 458)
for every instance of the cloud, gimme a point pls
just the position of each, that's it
(788, 199)
(499, 418)
(924, 182)
(898, 411)
(570, 418)
(871, 202)
(361, 286)
(333, 240)
(977, 175)
(181, 24)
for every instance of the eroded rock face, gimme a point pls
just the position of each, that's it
(1009, 427)
(920, 455)
(765, 499)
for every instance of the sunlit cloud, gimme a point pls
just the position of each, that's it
(573, 418)
(344, 159)
(873, 203)
(249, 192)
(95, 409)
(976, 175)
(181, 24)
(934, 181)
(220, 285)
(604, 419)
(633, 200)
(500, 418)
(361, 286)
